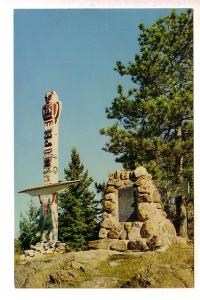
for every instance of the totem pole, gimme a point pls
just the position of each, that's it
(48, 191)
(51, 113)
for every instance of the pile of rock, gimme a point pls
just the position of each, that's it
(44, 248)
(110, 226)
(150, 230)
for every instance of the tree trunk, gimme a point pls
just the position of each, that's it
(180, 158)
(181, 217)
(181, 209)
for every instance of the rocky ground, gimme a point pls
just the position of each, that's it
(109, 269)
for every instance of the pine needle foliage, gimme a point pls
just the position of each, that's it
(29, 225)
(78, 209)
(153, 119)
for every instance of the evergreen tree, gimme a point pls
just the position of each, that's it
(29, 226)
(77, 207)
(154, 118)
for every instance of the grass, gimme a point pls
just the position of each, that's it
(172, 268)
(17, 259)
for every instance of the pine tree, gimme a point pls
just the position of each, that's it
(77, 207)
(29, 227)
(154, 118)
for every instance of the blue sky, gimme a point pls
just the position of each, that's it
(72, 52)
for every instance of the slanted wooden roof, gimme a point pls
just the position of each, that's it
(48, 188)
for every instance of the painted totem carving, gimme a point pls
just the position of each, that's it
(51, 113)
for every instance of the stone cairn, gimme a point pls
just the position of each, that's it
(44, 248)
(149, 230)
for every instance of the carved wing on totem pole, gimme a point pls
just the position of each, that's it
(52, 109)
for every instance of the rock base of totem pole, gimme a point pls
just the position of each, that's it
(148, 230)
(44, 248)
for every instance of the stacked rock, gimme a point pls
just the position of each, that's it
(156, 230)
(44, 248)
(149, 230)
(110, 226)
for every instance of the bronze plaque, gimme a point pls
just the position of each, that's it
(126, 202)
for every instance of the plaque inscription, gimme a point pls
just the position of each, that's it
(126, 202)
